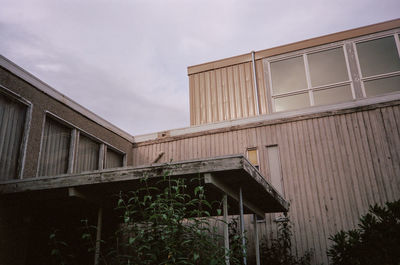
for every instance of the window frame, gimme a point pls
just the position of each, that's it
(355, 78)
(395, 34)
(310, 89)
(258, 156)
(75, 134)
(50, 115)
(116, 150)
(27, 126)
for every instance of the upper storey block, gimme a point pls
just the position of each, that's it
(336, 68)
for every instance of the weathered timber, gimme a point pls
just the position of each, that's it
(233, 171)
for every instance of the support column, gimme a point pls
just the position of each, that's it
(256, 240)
(242, 226)
(226, 228)
(98, 236)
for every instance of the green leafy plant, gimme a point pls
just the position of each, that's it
(162, 226)
(279, 250)
(376, 241)
(235, 242)
(60, 251)
(168, 226)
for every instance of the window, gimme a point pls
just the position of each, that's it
(67, 149)
(55, 149)
(252, 156)
(114, 159)
(88, 154)
(12, 127)
(313, 78)
(379, 64)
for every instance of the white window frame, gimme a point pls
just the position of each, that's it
(310, 89)
(352, 72)
(27, 126)
(395, 33)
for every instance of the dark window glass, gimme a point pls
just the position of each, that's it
(382, 86)
(87, 158)
(378, 56)
(327, 67)
(55, 149)
(333, 95)
(12, 123)
(292, 102)
(114, 159)
(288, 75)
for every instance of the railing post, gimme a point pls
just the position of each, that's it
(98, 236)
(226, 228)
(242, 226)
(256, 240)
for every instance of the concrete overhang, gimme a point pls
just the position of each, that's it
(219, 175)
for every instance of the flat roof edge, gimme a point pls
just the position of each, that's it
(48, 90)
(321, 40)
(278, 117)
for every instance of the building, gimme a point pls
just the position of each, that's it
(319, 118)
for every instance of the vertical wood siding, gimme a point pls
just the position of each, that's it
(333, 168)
(12, 121)
(55, 149)
(226, 93)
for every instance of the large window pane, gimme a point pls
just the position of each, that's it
(292, 102)
(378, 56)
(55, 149)
(12, 121)
(288, 75)
(327, 67)
(382, 86)
(332, 95)
(114, 159)
(88, 155)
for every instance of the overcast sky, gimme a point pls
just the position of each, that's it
(126, 60)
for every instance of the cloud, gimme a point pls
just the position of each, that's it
(126, 60)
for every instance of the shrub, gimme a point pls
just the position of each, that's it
(376, 241)
(279, 252)
(160, 226)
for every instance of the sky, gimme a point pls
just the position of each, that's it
(126, 60)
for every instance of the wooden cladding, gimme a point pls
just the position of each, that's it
(326, 73)
(332, 167)
(226, 94)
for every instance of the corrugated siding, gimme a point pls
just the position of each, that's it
(114, 159)
(87, 158)
(226, 93)
(333, 168)
(12, 121)
(55, 149)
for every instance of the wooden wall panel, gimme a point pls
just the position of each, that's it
(226, 93)
(333, 168)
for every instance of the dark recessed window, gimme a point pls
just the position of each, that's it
(12, 124)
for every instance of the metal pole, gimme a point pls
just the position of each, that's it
(98, 236)
(242, 225)
(253, 60)
(256, 240)
(226, 228)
